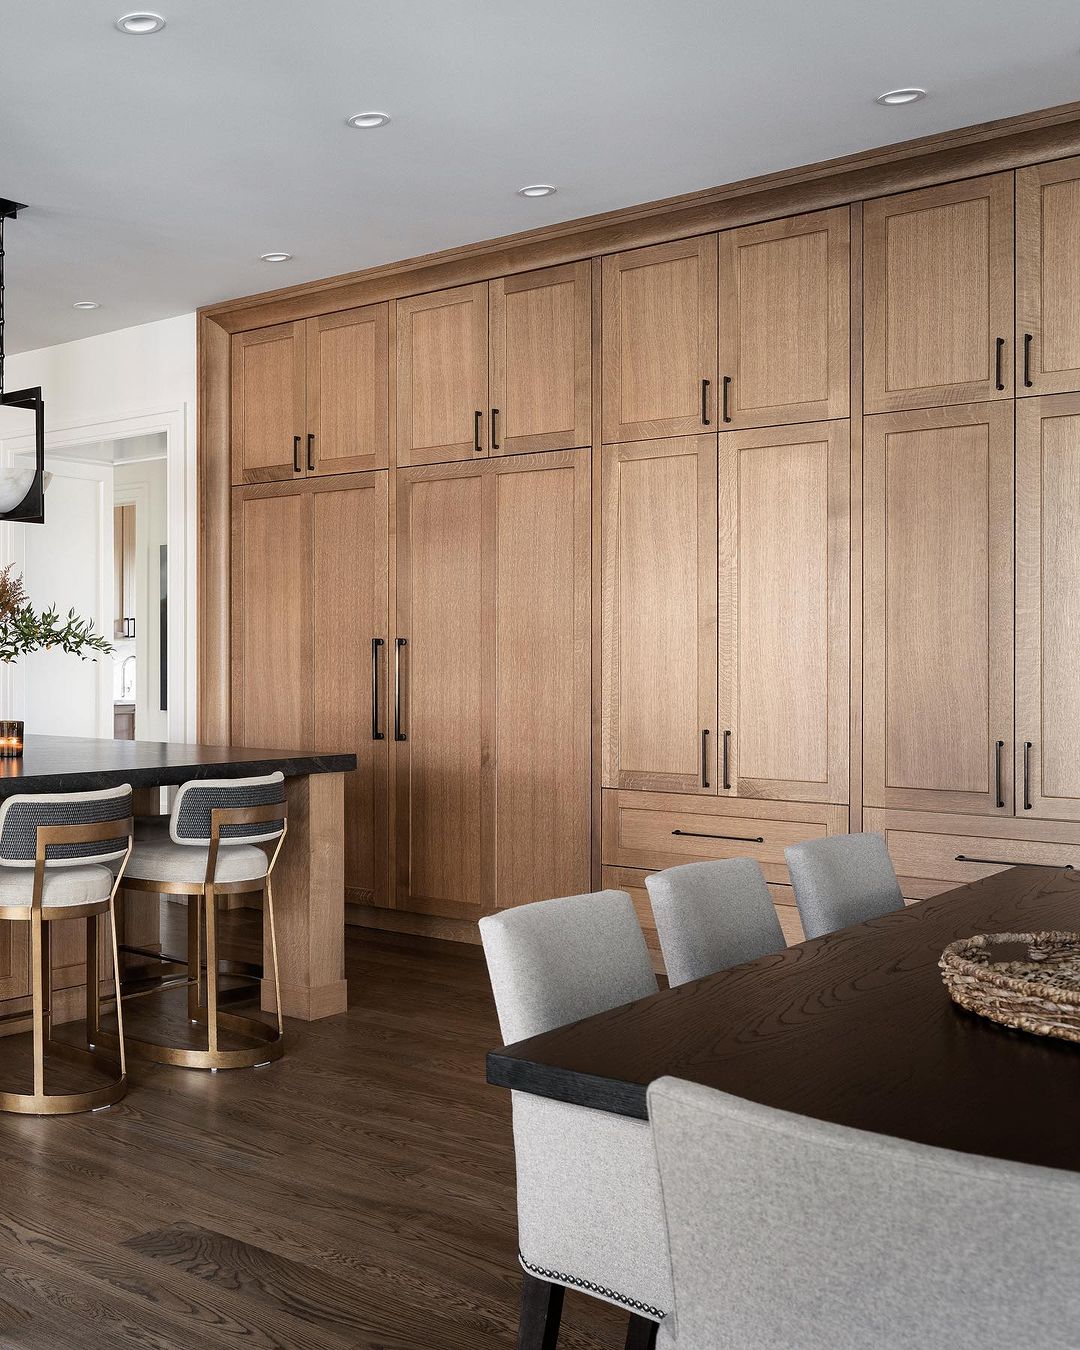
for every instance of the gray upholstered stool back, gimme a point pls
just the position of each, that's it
(711, 915)
(786, 1231)
(21, 816)
(842, 879)
(190, 822)
(557, 961)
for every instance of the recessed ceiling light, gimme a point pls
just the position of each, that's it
(275, 257)
(895, 96)
(141, 22)
(537, 190)
(86, 304)
(366, 120)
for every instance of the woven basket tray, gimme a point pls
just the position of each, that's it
(1030, 981)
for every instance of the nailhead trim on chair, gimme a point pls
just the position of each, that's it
(589, 1288)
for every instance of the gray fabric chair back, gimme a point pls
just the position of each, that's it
(557, 961)
(787, 1232)
(190, 819)
(711, 915)
(20, 817)
(842, 879)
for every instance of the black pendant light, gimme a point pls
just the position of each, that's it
(29, 506)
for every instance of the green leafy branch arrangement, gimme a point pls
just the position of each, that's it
(23, 629)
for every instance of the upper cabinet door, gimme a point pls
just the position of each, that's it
(1048, 278)
(938, 609)
(541, 360)
(268, 404)
(659, 337)
(784, 321)
(938, 300)
(1048, 607)
(659, 615)
(784, 612)
(348, 388)
(442, 376)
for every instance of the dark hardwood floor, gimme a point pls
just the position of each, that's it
(359, 1193)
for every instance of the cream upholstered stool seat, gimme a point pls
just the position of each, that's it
(62, 856)
(159, 859)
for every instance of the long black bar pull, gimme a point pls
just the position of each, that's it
(998, 793)
(999, 353)
(477, 419)
(1028, 340)
(494, 429)
(727, 760)
(310, 452)
(705, 758)
(296, 455)
(705, 403)
(725, 388)
(735, 838)
(1027, 775)
(399, 735)
(376, 733)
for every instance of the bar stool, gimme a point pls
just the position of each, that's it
(52, 851)
(215, 845)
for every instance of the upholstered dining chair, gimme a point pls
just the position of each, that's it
(589, 1209)
(842, 879)
(55, 856)
(223, 838)
(712, 915)
(788, 1232)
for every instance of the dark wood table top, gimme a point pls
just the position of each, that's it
(854, 1028)
(78, 764)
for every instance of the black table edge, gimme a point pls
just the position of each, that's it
(505, 1070)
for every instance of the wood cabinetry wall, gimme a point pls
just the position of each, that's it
(678, 551)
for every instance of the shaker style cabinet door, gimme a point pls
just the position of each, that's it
(783, 614)
(938, 609)
(938, 296)
(541, 360)
(442, 376)
(659, 341)
(268, 404)
(1048, 607)
(784, 352)
(1048, 278)
(348, 388)
(658, 561)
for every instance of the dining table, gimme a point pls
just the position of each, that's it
(855, 1027)
(309, 885)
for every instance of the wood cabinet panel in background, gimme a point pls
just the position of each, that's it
(938, 295)
(658, 563)
(784, 353)
(1048, 278)
(348, 389)
(659, 340)
(268, 402)
(938, 609)
(783, 612)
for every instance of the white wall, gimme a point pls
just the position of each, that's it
(137, 381)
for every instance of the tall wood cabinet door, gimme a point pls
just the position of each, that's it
(348, 676)
(659, 341)
(540, 634)
(348, 388)
(784, 612)
(1048, 278)
(938, 609)
(1048, 607)
(442, 754)
(938, 295)
(272, 654)
(541, 360)
(442, 376)
(658, 562)
(269, 407)
(783, 329)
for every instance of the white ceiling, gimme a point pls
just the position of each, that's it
(159, 168)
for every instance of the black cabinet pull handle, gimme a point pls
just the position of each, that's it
(735, 838)
(494, 429)
(477, 416)
(727, 759)
(724, 413)
(376, 734)
(310, 452)
(999, 352)
(705, 758)
(1007, 862)
(1027, 775)
(998, 793)
(1028, 340)
(705, 403)
(296, 455)
(399, 735)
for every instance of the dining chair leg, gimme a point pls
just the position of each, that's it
(541, 1314)
(93, 986)
(641, 1333)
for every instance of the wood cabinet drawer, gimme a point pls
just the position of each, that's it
(934, 853)
(654, 830)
